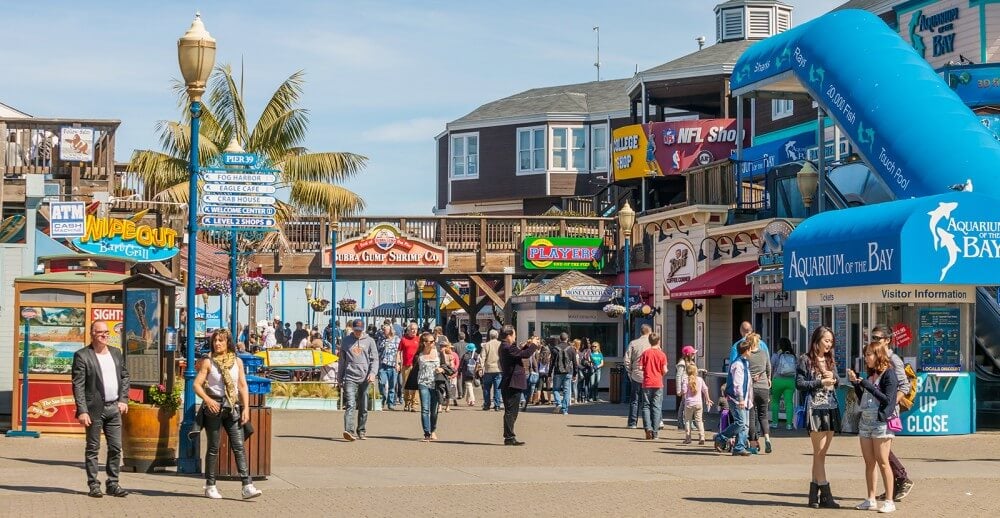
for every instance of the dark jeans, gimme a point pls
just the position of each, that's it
(583, 388)
(430, 403)
(760, 415)
(491, 389)
(634, 400)
(109, 422)
(898, 471)
(511, 406)
(355, 403)
(213, 424)
(652, 409)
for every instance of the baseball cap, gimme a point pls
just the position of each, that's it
(687, 350)
(470, 347)
(358, 324)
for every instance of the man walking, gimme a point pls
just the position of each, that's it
(408, 345)
(357, 367)
(745, 329)
(298, 335)
(100, 390)
(514, 381)
(901, 479)
(564, 363)
(653, 362)
(491, 372)
(632, 353)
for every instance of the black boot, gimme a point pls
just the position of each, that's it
(813, 495)
(826, 498)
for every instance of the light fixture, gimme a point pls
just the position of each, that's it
(196, 57)
(690, 308)
(749, 240)
(677, 227)
(626, 217)
(734, 252)
(309, 292)
(204, 299)
(808, 180)
(715, 253)
(420, 285)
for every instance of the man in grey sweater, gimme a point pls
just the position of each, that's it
(357, 367)
(902, 482)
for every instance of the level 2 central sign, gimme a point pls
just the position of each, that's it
(385, 246)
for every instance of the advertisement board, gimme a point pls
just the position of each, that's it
(665, 148)
(563, 253)
(385, 246)
(127, 239)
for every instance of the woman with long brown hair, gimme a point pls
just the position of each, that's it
(816, 378)
(877, 396)
(222, 386)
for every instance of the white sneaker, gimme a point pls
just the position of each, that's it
(888, 507)
(212, 492)
(250, 492)
(867, 505)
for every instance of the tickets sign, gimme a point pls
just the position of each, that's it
(563, 253)
(386, 246)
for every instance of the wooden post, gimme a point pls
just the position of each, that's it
(483, 244)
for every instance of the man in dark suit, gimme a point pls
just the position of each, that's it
(100, 388)
(514, 380)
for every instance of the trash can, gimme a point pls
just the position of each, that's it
(615, 383)
(251, 363)
(258, 446)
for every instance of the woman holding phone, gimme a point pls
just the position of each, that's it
(816, 378)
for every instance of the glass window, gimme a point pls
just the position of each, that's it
(464, 155)
(472, 157)
(538, 150)
(530, 149)
(579, 149)
(524, 150)
(781, 108)
(52, 295)
(560, 153)
(599, 148)
(604, 333)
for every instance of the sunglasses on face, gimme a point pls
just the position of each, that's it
(102, 333)
(878, 337)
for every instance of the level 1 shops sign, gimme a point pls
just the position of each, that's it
(127, 239)
(385, 246)
(678, 266)
(563, 253)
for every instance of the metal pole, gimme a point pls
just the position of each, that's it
(628, 315)
(437, 304)
(821, 141)
(283, 316)
(333, 278)
(233, 287)
(189, 460)
(23, 432)
(420, 308)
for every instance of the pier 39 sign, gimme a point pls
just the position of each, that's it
(952, 238)
(385, 246)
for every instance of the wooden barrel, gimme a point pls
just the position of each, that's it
(257, 447)
(149, 438)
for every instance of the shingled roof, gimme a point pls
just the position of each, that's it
(556, 285)
(867, 5)
(584, 98)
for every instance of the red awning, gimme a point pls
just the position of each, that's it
(723, 280)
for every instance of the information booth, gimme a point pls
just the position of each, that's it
(73, 291)
(912, 265)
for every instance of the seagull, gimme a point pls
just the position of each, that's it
(966, 187)
(942, 211)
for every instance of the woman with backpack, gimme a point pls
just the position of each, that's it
(471, 368)
(760, 372)
(816, 377)
(783, 383)
(544, 365)
(586, 369)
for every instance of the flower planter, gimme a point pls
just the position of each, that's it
(319, 305)
(252, 289)
(348, 308)
(149, 438)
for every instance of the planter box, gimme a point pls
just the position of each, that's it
(149, 438)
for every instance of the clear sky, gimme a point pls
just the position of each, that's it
(383, 77)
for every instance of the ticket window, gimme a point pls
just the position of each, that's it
(937, 333)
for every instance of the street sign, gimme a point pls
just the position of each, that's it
(67, 218)
(238, 188)
(240, 177)
(236, 170)
(233, 210)
(237, 221)
(239, 159)
(228, 199)
(28, 313)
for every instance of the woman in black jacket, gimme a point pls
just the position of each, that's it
(816, 378)
(877, 397)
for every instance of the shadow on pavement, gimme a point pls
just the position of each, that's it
(683, 451)
(42, 489)
(741, 501)
(417, 439)
(47, 462)
(313, 437)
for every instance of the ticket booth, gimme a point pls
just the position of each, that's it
(913, 265)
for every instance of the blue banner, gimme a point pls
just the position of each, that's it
(758, 159)
(976, 85)
(944, 405)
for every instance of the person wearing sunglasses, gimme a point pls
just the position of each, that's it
(883, 335)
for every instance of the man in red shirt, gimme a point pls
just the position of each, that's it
(408, 344)
(653, 363)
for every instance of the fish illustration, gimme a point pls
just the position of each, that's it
(942, 211)
(948, 242)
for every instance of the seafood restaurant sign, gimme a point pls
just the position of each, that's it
(127, 239)
(385, 246)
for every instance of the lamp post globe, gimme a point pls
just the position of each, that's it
(196, 57)
(626, 218)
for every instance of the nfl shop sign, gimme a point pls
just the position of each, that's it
(385, 246)
(563, 253)
(663, 148)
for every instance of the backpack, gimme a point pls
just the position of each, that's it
(906, 402)
(786, 365)
(564, 362)
(471, 366)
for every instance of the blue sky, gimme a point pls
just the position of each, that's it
(382, 78)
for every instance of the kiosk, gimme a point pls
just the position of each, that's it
(912, 265)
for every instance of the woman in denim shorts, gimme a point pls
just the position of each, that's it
(877, 397)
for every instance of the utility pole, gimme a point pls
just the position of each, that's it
(597, 64)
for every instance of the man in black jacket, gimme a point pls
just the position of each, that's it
(514, 380)
(100, 390)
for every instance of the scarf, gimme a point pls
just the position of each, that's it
(224, 362)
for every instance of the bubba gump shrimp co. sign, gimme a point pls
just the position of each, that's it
(386, 246)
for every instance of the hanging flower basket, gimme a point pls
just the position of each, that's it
(639, 310)
(252, 286)
(614, 310)
(319, 304)
(212, 286)
(348, 305)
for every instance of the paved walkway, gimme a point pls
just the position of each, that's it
(584, 463)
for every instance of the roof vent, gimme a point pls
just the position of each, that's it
(751, 19)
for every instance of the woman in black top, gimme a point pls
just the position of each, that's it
(816, 378)
(877, 401)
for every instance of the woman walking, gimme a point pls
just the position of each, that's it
(586, 369)
(429, 370)
(451, 384)
(222, 386)
(816, 377)
(544, 363)
(597, 359)
(531, 369)
(760, 371)
(877, 396)
(783, 383)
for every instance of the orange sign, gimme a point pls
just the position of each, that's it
(386, 246)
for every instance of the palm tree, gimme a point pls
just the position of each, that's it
(277, 137)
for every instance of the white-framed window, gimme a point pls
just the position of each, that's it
(569, 148)
(531, 149)
(599, 147)
(465, 155)
(781, 108)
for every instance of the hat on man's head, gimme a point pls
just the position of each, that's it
(358, 324)
(687, 350)
(470, 347)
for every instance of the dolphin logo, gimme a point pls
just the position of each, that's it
(943, 211)
(948, 242)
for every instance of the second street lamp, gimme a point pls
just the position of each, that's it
(420, 303)
(626, 218)
(309, 295)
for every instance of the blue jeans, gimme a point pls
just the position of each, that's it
(634, 399)
(491, 386)
(652, 409)
(562, 388)
(738, 426)
(430, 401)
(387, 377)
(595, 383)
(355, 403)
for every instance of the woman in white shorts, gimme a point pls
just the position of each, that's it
(877, 397)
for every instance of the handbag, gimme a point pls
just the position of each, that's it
(894, 423)
(533, 378)
(800, 413)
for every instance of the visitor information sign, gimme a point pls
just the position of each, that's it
(239, 194)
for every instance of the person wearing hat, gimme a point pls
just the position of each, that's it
(680, 380)
(471, 369)
(357, 368)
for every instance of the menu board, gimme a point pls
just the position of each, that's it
(142, 334)
(840, 339)
(814, 319)
(939, 337)
(54, 335)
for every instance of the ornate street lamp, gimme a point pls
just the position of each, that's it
(309, 295)
(626, 218)
(807, 179)
(196, 57)
(420, 283)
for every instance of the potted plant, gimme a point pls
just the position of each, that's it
(212, 286)
(150, 430)
(614, 310)
(347, 305)
(252, 286)
(319, 304)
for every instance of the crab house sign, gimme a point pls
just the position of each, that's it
(385, 246)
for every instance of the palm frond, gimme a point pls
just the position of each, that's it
(285, 98)
(274, 139)
(158, 171)
(333, 200)
(226, 102)
(327, 167)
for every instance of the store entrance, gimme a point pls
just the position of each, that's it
(742, 312)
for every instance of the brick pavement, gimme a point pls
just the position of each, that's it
(586, 462)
